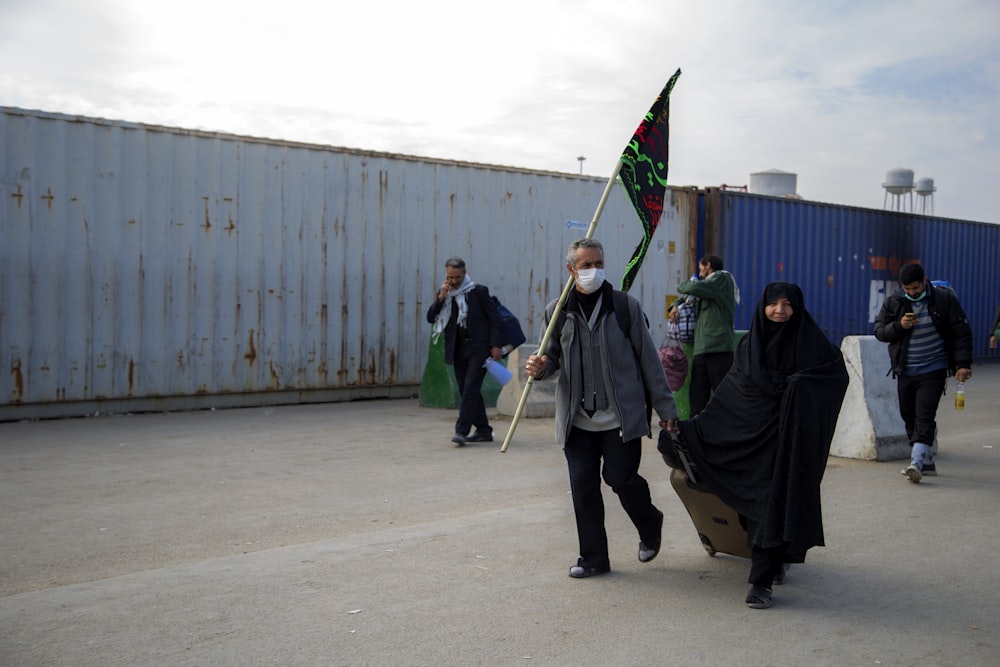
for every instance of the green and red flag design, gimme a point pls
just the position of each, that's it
(644, 174)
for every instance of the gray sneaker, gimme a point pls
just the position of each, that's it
(912, 473)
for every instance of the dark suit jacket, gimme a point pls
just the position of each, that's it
(483, 324)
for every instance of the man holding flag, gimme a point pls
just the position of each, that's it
(610, 377)
(643, 170)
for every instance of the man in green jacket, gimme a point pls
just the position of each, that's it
(714, 338)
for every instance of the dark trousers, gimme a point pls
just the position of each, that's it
(765, 563)
(469, 373)
(919, 396)
(584, 450)
(707, 371)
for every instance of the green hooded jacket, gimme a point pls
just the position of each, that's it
(716, 311)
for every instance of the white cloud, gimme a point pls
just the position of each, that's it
(839, 92)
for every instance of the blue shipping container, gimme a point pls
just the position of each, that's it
(846, 258)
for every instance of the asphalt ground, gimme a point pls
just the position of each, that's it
(357, 534)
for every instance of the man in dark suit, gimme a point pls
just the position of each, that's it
(468, 317)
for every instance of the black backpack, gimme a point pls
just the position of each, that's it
(513, 334)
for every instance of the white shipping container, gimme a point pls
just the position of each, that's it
(148, 268)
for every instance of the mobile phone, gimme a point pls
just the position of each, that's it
(908, 315)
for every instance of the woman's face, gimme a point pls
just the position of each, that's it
(779, 310)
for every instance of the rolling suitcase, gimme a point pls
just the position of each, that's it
(718, 525)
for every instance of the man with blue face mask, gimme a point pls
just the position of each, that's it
(609, 374)
(929, 339)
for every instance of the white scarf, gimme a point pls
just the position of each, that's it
(456, 296)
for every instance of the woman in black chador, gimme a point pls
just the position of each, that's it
(762, 442)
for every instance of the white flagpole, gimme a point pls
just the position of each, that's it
(558, 309)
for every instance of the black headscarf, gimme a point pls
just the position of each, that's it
(762, 441)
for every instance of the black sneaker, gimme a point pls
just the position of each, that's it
(581, 572)
(459, 439)
(929, 470)
(480, 437)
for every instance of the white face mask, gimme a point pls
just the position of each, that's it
(589, 280)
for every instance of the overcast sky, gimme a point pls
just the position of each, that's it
(838, 92)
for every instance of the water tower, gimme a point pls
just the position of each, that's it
(925, 188)
(898, 183)
(773, 182)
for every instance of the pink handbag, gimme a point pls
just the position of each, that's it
(675, 364)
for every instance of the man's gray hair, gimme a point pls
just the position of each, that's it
(454, 263)
(582, 243)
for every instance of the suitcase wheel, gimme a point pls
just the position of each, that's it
(707, 543)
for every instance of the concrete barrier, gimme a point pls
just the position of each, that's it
(542, 398)
(869, 426)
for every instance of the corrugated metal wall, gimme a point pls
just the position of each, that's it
(844, 258)
(151, 268)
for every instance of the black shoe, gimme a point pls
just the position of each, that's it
(759, 597)
(459, 440)
(648, 552)
(480, 437)
(581, 572)
(779, 578)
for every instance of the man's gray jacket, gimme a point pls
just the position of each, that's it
(632, 367)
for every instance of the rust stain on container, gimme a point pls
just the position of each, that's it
(251, 353)
(131, 375)
(18, 195)
(49, 198)
(323, 317)
(208, 223)
(383, 190)
(15, 370)
(367, 374)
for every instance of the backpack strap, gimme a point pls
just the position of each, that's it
(619, 301)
